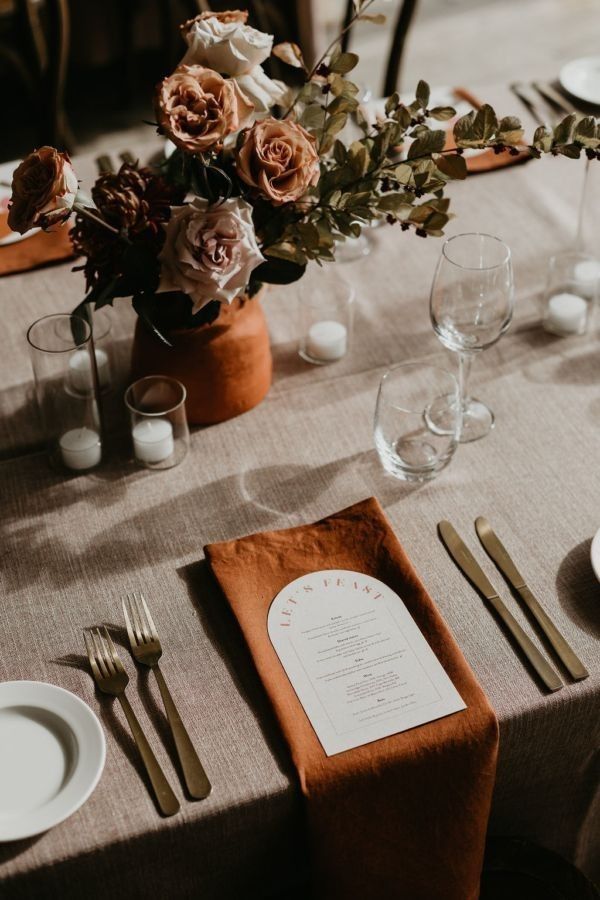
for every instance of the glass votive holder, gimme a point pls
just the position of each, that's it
(412, 398)
(571, 293)
(81, 376)
(70, 420)
(326, 318)
(159, 428)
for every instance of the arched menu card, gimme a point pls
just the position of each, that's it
(361, 668)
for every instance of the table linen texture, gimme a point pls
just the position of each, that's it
(377, 814)
(71, 547)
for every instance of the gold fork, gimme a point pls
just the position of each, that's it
(146, 649)
(112, 678)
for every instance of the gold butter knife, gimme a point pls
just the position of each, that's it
(469, 566)
(499, 554)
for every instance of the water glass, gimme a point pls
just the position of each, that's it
(326, 318)
(409, 444)
(471, 307)
(571, 293)
(70, 418)
(159, 429)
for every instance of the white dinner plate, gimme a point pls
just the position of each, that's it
(52, 752)
(6, 174)
(595, 554)
(581, 78)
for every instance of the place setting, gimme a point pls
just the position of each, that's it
(287, 682)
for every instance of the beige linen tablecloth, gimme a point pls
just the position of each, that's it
(71, 547)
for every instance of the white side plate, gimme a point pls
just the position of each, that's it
(52, 752)
(581, 78)
(595, 554)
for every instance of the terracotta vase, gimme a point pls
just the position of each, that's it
(226, 366)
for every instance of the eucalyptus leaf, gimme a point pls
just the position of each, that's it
(343, 63)
(453, 166)
(422, 94)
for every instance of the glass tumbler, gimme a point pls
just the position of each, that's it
(571, 293)
(70, 418)
(326, 319)
(409, 444)
(159, 428)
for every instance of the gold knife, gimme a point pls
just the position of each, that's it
(499, 554)
(469, 566)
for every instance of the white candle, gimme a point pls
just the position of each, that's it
(80, 448)
(566, 314)
(587, 273)
(80, 370)
(327, 340)
(153, 440)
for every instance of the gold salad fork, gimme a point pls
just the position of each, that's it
(111, 678)
(147, 650)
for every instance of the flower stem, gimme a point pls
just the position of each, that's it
(88, 214)
(324, 55)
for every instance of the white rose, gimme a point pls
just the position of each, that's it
(209, 251)
(228, 47)
(261, 90)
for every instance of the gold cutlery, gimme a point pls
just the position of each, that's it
(111, 678)
(496, 549)
(517, 88)
(147, 650)
(551, 96)
(469, 566)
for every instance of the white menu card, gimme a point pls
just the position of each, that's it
(361, 668)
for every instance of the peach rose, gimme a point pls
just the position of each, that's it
(44, 189)
(197, 108)
(279, 159)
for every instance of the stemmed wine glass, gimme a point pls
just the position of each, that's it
(472, 301)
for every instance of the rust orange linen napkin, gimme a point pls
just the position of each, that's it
(403, 817)
(488, 160)
(41, 249)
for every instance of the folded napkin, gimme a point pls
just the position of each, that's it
(403, 817)
(40, 249)
(486, 160)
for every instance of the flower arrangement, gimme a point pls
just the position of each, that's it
(260, 181)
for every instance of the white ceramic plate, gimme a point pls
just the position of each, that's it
(581, 78)
(6, 174)
(595, 554)
(52, 752)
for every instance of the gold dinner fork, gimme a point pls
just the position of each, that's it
(111, 678)
(146, 649)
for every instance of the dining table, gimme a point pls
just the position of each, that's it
(73, 546)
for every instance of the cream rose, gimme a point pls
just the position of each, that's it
(209, 251)
(44, 189)
(279, 159)
(225, 43)
(197, 108)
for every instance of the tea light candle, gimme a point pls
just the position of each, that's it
(80, 370)
(587, 273)
(566, 314)
(153, 440)
(327, 340)
(587, 270)
(80, 448)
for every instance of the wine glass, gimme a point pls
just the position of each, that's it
(472, 301)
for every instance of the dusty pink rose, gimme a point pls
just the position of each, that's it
(279, 159)
(197, 108)
(44, 188)
(209, 251)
